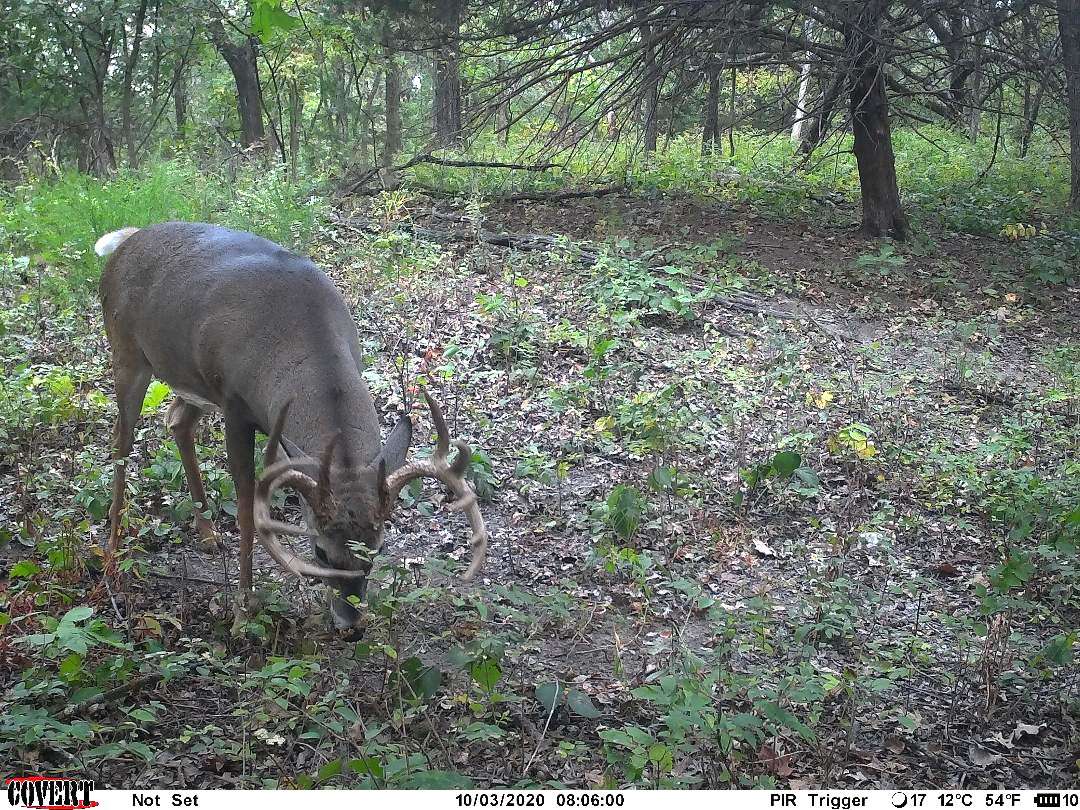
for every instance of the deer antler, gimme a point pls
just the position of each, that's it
(286, 473)
(453, 475)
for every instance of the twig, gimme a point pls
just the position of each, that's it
(111, 694)
(543, 732)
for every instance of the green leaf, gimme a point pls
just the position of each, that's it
(582, 705)
(157, 393)
(77, 614)
(486, 673)
(71, 666)
(785, 463)
(367, 766)
(24, 569)
(784, 718)
(268, 17)
(548, 694)
(438, 780)
(329, 770)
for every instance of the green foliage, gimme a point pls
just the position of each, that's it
(58, 221)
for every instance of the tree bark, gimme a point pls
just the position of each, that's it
(447, 73)
(710, 134)
(130, 63)
(1032, 103)
(392, 101)
(802, 93)
(883, 214)
(242, 60)
(180, 100)
(296, 120)
(650, 90)
(818, 124)
(1069, 26)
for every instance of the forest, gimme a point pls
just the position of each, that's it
(754, 326)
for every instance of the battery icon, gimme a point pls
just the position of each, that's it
(1048, 800)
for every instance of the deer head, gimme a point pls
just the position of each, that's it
(347, 507)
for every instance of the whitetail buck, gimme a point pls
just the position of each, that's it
(233, 321)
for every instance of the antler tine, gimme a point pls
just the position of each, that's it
(267, 528)
(274, 442)
(325, 462)
(442, 446)
(453, 476)
(462, 459)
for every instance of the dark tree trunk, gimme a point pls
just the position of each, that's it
(1069, 26)
(650, 90)
(296, 120)
(1032, 103)
(180, 100)
(710, 134)
(817, 126)
(126, 124)
(242, 60)
(392, 88)
(447, 97)
(882, 212)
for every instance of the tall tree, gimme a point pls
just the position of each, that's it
(127, 125)
(243, 61)
(865, 36)
(1069, 26)
(446, 101)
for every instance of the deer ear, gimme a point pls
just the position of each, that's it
(396, 447)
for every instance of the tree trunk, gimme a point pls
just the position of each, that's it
(1069, 26)
(296, 120)
(650, 90)
(882, 212)
(802, 93)
(976, 95)
(710, 133)
(126, 124)
(1032, 103)
(180, 100)
(447, 93)
(817, 127)
(392, 88)
(243, 62)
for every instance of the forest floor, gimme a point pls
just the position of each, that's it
(771, 504)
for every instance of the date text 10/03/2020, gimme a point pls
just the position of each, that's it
(538, 799)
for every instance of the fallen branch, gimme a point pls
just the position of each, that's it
(109, 695)
(426, 157)
(558, 196)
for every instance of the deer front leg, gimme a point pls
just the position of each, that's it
(182, 419)
(131, 381)
(240, 447)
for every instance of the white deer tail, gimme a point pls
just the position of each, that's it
(111, 241)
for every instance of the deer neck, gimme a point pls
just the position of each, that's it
(328, 401)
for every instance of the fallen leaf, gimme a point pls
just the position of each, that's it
(895, 743)
(945, 569)
(982, 757)
(1026, 733)
(776, 764)
(763, 548)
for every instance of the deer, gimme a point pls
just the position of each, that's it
(236, 323)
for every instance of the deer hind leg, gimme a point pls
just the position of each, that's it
(182, 419)
(240, 447)
(131, 377)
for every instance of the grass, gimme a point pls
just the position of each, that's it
(944, 179)
(57, 221)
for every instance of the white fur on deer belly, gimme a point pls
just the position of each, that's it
(195, 400)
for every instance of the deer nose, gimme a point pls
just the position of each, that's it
(345, 615)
